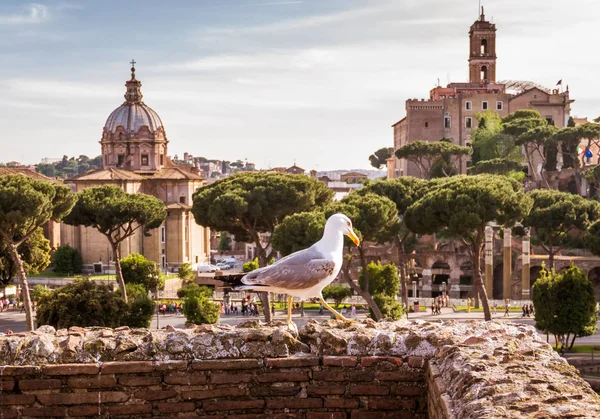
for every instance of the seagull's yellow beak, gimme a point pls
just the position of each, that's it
(353, 237)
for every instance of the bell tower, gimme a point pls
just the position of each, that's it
(482, 55)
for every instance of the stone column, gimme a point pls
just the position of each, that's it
(489, 261)
(453, 288)
(426, 284)
(507, 265)
(525, 267)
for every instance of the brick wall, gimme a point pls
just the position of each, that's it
(332, 387)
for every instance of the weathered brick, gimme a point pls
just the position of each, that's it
(386, 404)
(90, 410)
(294, 403)
(326, 415)
(214, 393)
(100, 381)
(155, 394)
(71, 369)
(369, 390)
(282, 377)
(130, 409)
(185, 380)
(385, 415)
(226, 364)
(7, 385)
(17, 371)
(354, 376)
(274, 391)
(94, 397)
(7, 413)
(230, 378)
(329, 375)
(399, 376)
(265, 416)
(16, 399)
(369, 361)
(324, 390)
(133, 381)
(171, 365)
(123, 367)
(340, 361)
(45, 412)
(233, 405)
(416, 362)
(341, 403)
(27, 385)
(408, 390)
(170, 407)
(292, 362)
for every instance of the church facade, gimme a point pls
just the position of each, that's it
(450, 112)
(134, 155)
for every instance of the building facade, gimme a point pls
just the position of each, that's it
(450, 112)
(134, 154)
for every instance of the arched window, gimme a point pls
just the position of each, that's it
(484, 73)
(484, 45)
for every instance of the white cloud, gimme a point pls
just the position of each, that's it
(32, 14)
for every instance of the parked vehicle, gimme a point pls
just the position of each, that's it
(224, 266)
(208, 268)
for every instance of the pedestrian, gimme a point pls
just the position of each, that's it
(506, 307)
(273, 309)
(469, 305)
(494, 306)
(531, 309)
(320, 308)
(353, 310)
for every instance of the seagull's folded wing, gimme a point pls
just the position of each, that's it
(300, 270)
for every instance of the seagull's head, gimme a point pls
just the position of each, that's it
(342, 223)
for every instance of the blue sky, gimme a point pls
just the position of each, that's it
(316, 82)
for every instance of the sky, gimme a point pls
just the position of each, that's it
(313, 82)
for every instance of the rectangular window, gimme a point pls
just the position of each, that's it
(144, 160)
(182, 199)
(468, 122)
(468, 106)
(120, 160)
(447, 123)
(162, 234)
(484, 105)
(162, 159)
(164, 262)
(499, 106)
(426, 124)
(550, 120)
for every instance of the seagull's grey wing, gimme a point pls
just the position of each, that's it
(300, 270)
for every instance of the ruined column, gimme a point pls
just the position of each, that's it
(507, 265)
(427, 283)
(525, 267)
(489, 261)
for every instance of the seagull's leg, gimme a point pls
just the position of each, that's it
(336, 314)
(289, 321)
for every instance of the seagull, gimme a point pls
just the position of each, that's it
(305, 273)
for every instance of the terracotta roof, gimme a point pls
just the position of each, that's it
(25, 172)
(176, 173)
(107, 174)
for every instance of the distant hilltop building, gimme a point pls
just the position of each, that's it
(450, 111)
(134, 157)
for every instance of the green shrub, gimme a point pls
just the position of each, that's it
(250, 265)
(82, 303)
(337, 293)
(139, 270)
(185, 272)
(141, 307)
(67, 260)
(199, 310)
(194, 290)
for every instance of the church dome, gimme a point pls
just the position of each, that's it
(133, 114)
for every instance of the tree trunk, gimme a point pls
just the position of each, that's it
(476, 249)
(364, 294)
(14, 253)
(264, 296)
(119, 272)
(401, 262)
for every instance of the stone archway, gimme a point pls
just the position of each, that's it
(534, 274)
(594, 277)
(440, 273)
(498, 282)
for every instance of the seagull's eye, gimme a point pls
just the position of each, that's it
(348, 224)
